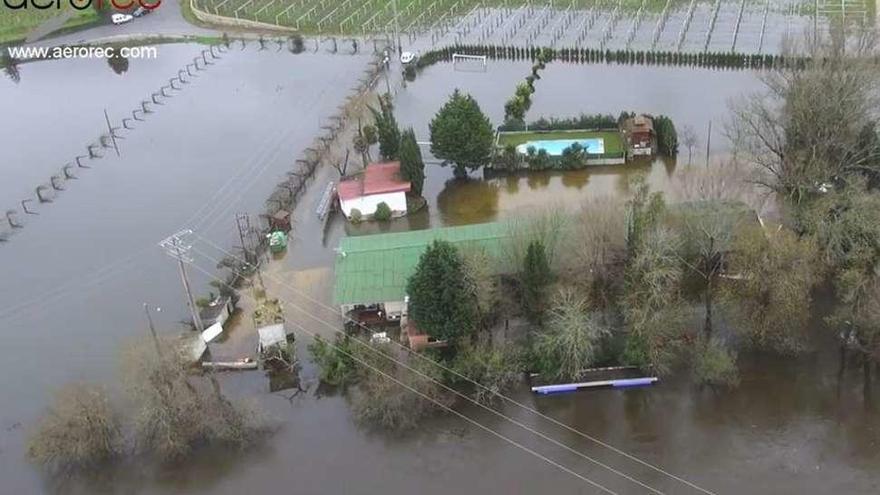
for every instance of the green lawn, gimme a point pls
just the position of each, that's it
(613, 141)
(17, 24)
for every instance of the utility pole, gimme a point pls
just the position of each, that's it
(177, 247)
(387, 62)
(708, 143)
(153, 329)
(110, 130)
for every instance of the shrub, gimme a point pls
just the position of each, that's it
(356, 216)
(715, 365)
(383, 212)
(80, 432)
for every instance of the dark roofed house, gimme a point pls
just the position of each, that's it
(639, 132)
(380, 183)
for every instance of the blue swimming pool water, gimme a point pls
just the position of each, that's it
(594, 146)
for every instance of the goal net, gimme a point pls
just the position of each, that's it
(469, 63)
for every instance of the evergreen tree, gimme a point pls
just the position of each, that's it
(536, 276)
(387, 130)
(441, 299)
(462, 134)
(412, 167)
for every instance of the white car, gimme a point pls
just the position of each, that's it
(407, 57)
(120, 18)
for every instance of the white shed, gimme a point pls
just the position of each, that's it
(380, 183)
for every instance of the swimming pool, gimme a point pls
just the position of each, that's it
(593, 146)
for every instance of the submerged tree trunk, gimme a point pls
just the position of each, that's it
(707, 326)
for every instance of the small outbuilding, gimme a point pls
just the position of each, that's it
(380, 183)
(639, 132)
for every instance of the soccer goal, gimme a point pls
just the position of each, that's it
(469, 63)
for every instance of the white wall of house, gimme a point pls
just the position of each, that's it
(367, 204)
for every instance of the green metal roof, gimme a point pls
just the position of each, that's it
(375, 268)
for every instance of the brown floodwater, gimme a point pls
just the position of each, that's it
(793, 426)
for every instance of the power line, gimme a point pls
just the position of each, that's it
(441, 405)
(494, 392)
(105, 273)
(467, 398)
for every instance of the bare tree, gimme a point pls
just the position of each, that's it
(688, 137)
(708, 220)
(81, 431)
(597, 247)
(178, 410)
(797, 136)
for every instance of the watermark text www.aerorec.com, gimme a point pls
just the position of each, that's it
(80, 4)
(75, 52)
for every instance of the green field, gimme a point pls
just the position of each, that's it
(613, 141)
(17, 24)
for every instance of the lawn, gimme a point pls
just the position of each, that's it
(15, 25)
(613, 141)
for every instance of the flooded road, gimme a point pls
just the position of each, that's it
(792, 427)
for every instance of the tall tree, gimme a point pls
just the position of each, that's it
(535, 278)
(795, 136)
(772, 276)
(652, 306)
(441, 299)
(572, 338)
(461, 134)
(412, 167)
(387, 131)
(365, 138)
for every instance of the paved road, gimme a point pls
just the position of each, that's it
(165, 20)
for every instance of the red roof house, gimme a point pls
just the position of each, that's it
(380, 183)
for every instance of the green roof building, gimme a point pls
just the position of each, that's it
(374, 269)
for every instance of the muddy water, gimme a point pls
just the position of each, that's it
(690, 97)
(793, 426)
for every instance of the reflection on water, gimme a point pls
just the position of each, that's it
(500, 196)
(465, 201)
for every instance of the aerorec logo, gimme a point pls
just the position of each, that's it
(80, 4)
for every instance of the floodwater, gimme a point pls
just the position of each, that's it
(792, 427)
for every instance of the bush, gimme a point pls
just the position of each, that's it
(383, 212)
(356, 216)
(715, 365)
(80, 432)
(494, 369)
(336, 364)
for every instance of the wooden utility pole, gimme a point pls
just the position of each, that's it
(110, 130)
(153, 330)
(708, 143)
(175, 247)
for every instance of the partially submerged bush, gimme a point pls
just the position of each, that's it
(356, 216)
(715, 365)
(177, 411)
(494, 369)
(383, 212)
(80, 432)
(381, 402)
